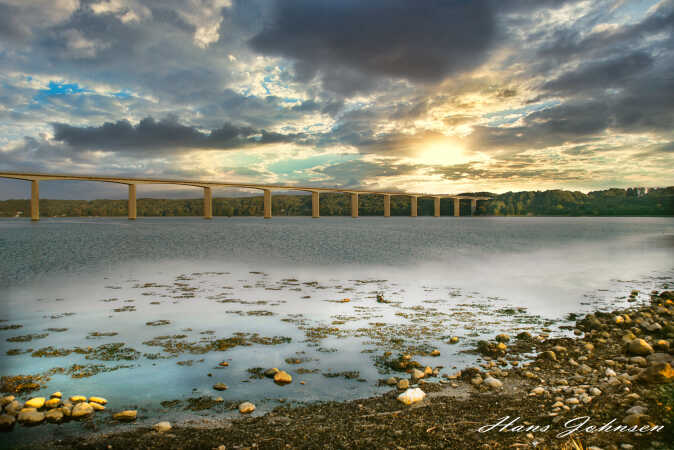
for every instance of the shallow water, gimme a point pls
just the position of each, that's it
(282, 283)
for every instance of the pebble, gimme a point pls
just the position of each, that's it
(78, 398)
(403, 384)
(634, 419)
(222, 364)
(99, 400)
(391, 381)
(6, 421)
(502, 337)
(453, 340)
(639, 347)
(493, 383)
(282, 377)
(162, 427)
(594, 391)
(537, 391)
(610, 372)
(476, 380)
(36, 402)
(417, 374)
(412, 396)
(435, 352)
(548, 355)
(52, 402)
(636, 410)
(81, 409)
(246, 408)
(584, 369)
(572, 401)
(428, 371)
(54, 415)
(30, 416)
(220, 386)
(125, 416)
(57, 394)
(97, 406)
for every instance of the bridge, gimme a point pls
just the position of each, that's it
(267, 189)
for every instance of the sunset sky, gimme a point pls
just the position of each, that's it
(427, 96)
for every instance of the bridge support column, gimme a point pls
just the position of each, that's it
(473, 206)
(35, 200)
(457, 207)
(315, 206)
(413, 206)
(387, 205)
(208, 203)
(132, 202)
(436, 207)
(267, 204)
(354, 205)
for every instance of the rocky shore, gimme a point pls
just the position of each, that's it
(609, 387)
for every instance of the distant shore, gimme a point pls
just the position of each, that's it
(610, 202)
(609, 387)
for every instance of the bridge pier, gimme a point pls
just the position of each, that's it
(208, 203)
(315, 206)
(413, 206)
(35, 200)
(267, 204)
(457, 207)
(387, 205)
(473, 206)
(354, 205)
(436, 207)
(132, 202)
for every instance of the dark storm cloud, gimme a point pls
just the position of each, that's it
(400, 38)
(166, 135)
(568, 42)
(614, 72)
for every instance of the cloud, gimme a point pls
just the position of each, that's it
(165, 135)
(352, 40)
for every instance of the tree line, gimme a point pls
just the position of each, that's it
(610, 202)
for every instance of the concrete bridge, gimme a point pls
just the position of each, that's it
(207, 186)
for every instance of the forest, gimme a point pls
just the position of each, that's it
(610, 202)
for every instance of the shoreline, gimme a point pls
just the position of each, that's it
(577, 384)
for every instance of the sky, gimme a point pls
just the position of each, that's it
(426, 96)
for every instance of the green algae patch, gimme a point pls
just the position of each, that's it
(177, 344)
(27, 337)
(97, 334)
(21, 383)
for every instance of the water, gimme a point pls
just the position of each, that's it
(282, 283)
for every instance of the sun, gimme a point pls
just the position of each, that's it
(444, 152)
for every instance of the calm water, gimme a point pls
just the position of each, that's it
(72, 283)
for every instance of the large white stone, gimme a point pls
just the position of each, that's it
(412, 396)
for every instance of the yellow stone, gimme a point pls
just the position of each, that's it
(37, 402)
(99, 400)
(127, 415)
(346, 300)
(78, 398)
(97, 406)
(501, 346)
(282, 377)
(52, 402)
(56, 395)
